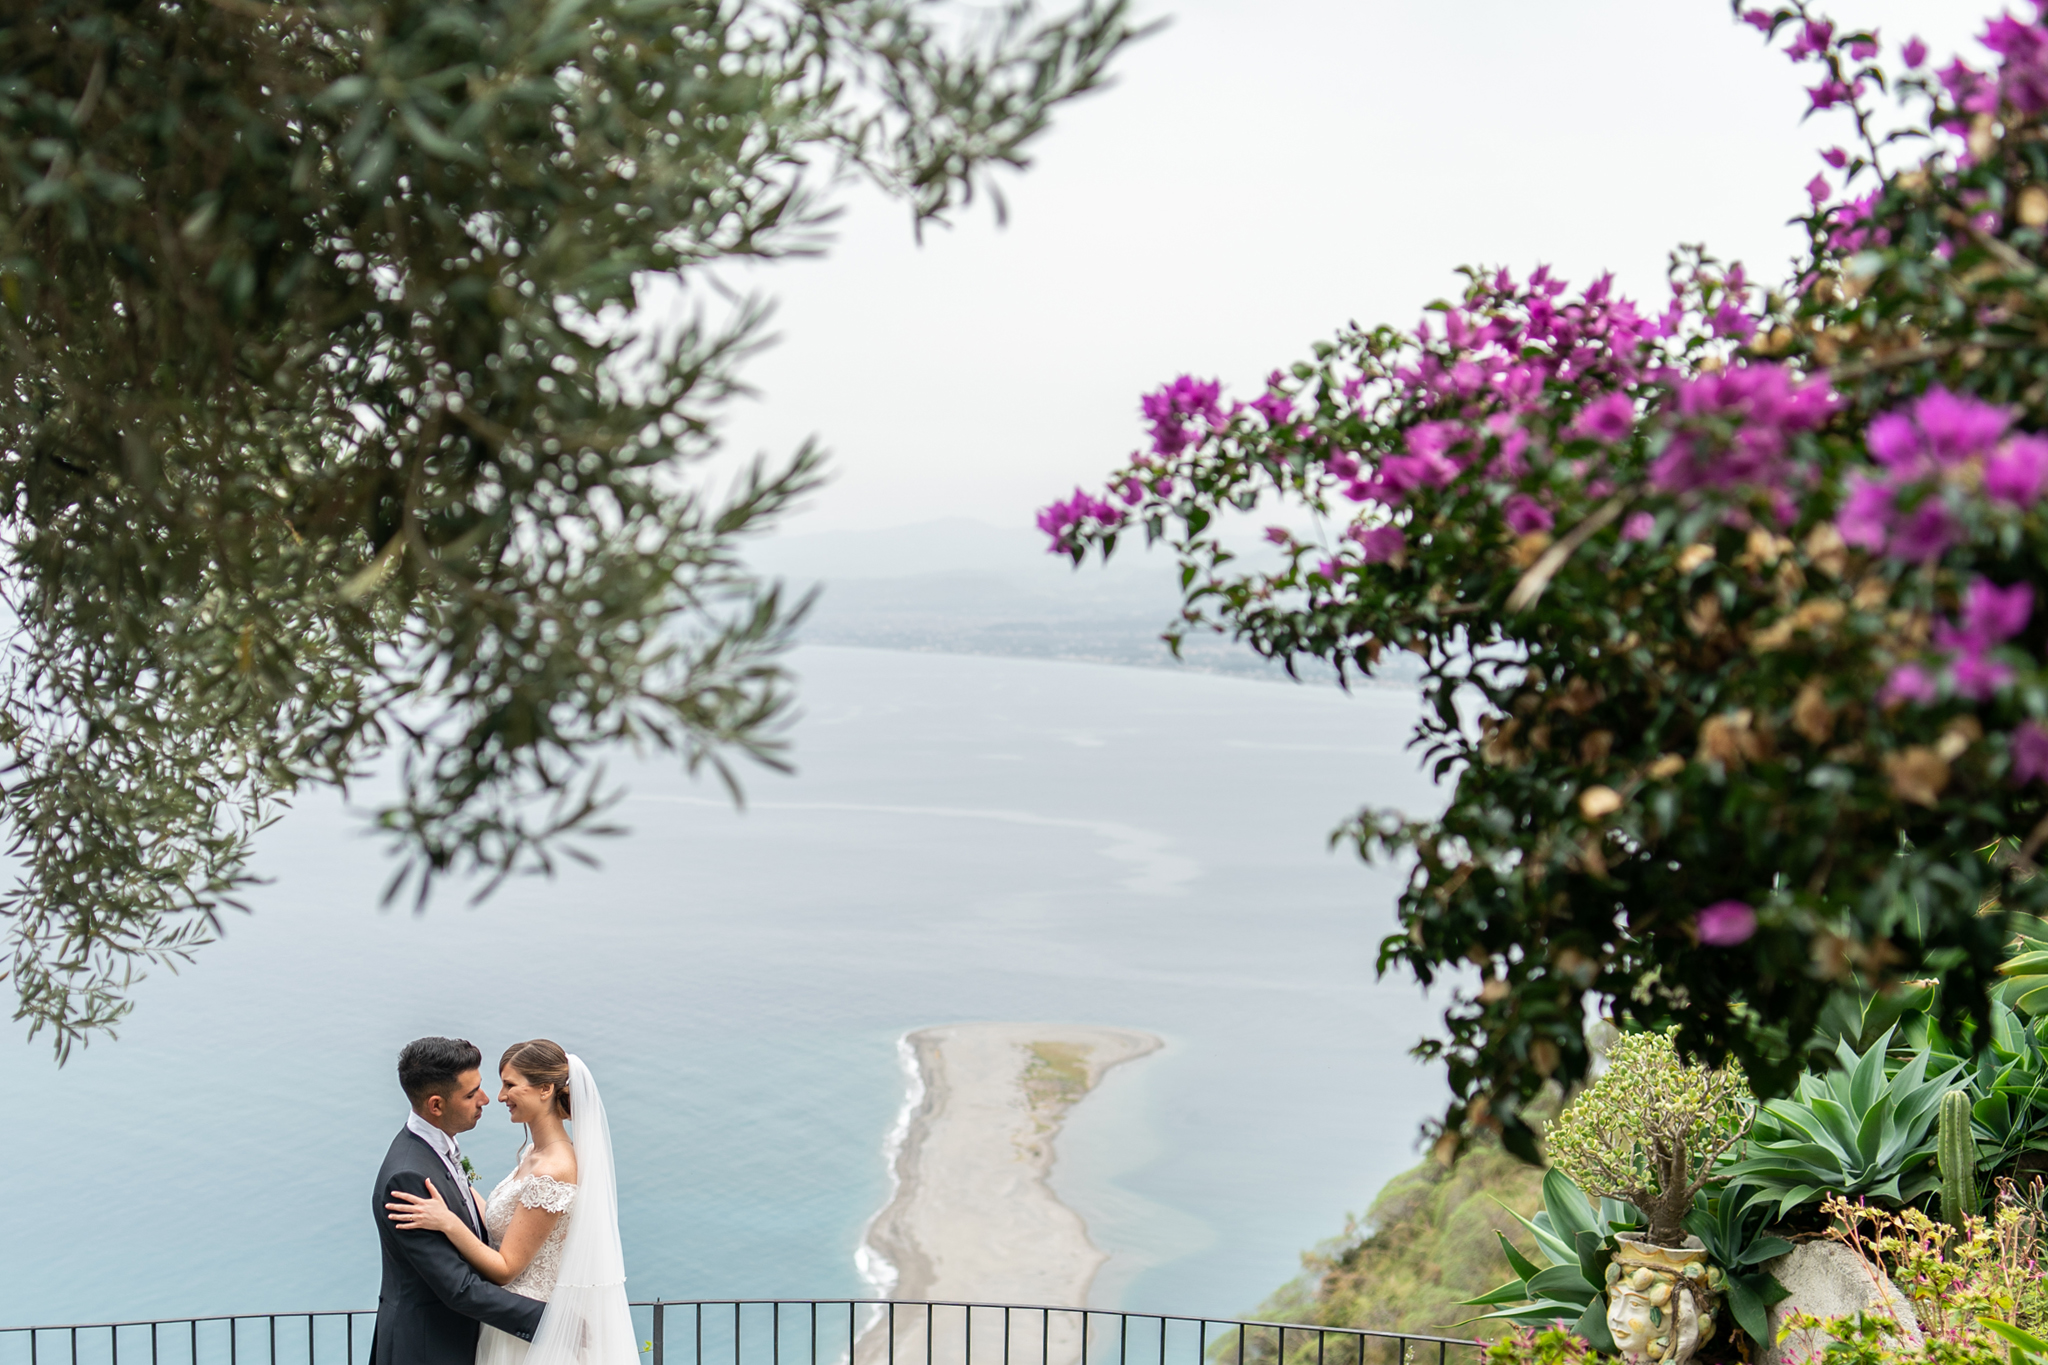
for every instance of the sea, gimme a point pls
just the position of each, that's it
(966, 838)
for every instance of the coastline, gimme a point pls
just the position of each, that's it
(972, 1217)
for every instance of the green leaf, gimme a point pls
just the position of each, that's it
(1593, 1256)
(1570, 1212)
(1748, 1308)
(1565, 1283)
(1592, 1325)
(1523, 1266)
(2021, 1339)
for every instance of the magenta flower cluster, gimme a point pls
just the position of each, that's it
(1991, 616)
(1902, 508)
(1494, 371)
(1732, 430)
(2029, 752)
(1060, 520)
(1726, 923)
(1814, 41)
(2021, 80)
(1170, 410)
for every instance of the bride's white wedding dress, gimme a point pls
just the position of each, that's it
(579, 1271)
(537, 1281)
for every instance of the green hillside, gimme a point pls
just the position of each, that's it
(1427, 1242)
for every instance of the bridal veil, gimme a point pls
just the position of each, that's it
(587, 1321)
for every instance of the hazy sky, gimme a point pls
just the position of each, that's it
(1262, 172)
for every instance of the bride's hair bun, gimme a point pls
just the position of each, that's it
(542, 1063)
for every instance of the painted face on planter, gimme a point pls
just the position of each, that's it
(1630, 1319)
(1653, 1311)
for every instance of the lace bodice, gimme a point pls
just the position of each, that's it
(537, 1281)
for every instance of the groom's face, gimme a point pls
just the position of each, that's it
(461, 1107)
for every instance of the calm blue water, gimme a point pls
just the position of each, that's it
(969, 838)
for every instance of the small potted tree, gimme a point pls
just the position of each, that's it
(1649, 1131)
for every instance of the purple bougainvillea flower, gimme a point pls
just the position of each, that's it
(2023, 78)
(1608, 419)
(1279, 535)
(2015, 471)
(1893, 440)
(1827, 95)
(1818, 189)
(1759, 19)
(1908, 682)
(1958, 428)
(1977, 677)
(1525, 515)
(1866, 516)
(1835, 157)
(1992, 615)
(1377, 544)
(1726, 923)
(1913, 53)
(1924, 534)
(1811, 40)
(1059, 520)
(1170, 409)
(1510, 464)
(1275, 407)
(2029, 753)
(1638, 526)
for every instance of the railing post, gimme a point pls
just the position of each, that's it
(657, 1332)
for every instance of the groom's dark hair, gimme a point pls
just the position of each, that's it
(429, 1066)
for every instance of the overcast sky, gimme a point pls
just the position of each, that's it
(1261, 172)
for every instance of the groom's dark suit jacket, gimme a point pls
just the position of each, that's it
(431, 1300)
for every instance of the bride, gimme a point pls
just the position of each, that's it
(553, 1222)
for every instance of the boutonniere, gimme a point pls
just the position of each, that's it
(468, 1171)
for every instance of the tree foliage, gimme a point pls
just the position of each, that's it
(1733, 667)
(333, 435)
(1649, 1131)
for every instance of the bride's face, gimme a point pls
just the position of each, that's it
(523, 1100)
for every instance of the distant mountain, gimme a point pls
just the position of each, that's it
(960, 586)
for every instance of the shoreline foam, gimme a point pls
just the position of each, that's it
(972, 1217)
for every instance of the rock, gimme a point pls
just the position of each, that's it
(1830, 1280)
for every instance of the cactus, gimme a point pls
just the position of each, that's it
(1956, 1151)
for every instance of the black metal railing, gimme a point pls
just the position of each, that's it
(780, 1332)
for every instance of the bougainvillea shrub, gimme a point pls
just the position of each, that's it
(1728, 601)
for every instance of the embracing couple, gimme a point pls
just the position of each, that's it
(531, 1276)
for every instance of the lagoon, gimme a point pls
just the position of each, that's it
(968, 839)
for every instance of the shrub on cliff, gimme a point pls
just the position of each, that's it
(1726, 605)
(1430, 1241)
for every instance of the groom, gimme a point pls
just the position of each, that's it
(431, 1300)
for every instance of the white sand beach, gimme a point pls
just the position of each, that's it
(973, 1219)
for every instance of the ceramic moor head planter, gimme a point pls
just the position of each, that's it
(1661, 1300)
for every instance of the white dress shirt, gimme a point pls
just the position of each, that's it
(450, 1152)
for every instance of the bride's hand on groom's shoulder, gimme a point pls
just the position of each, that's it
(429, 1213)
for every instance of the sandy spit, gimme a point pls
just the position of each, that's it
(973, 1219)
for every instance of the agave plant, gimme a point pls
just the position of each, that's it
(2026, 970)
(1729, 1222)
(1575, 1237)
(1860, 1018)
(1855, 1130)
